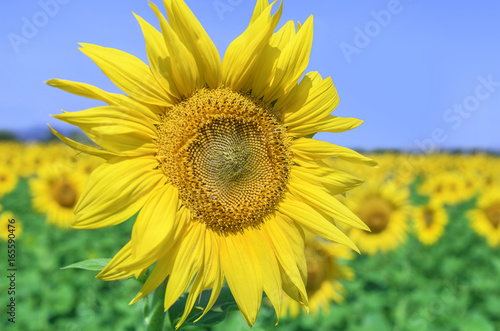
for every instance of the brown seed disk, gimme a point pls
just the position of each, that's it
(64, 193)
(493, 215)
(376, 213)
(228, 156)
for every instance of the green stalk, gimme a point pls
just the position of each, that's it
(154, 314)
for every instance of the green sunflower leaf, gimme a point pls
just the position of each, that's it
(224, 304)
(92, 264)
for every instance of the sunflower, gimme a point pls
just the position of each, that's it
(485, 218)
(55, 194)
(324, 273)
(34, 157)
(448, 187)
(215, 160)
(86, 163)
(430, 221)
(8, 180)
(7, 227)
(10, 155)
(384, 208)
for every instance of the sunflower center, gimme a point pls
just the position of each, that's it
(428, 217)
(64, 194)
(228, 156)
(317, 269)
(493, 215)
(376, 214)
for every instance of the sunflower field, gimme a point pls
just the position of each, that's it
(430, 262)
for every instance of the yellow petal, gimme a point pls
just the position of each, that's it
(264, 76)
(317, 149)
(183, 66)
(325, 202)
(84, 148)
(296, 237)
(196, 40)
(127, 72)
(313, 99)
(284, 253)
(328, 124)
(242, 54)
(155, 227)
(159, 60)
(333, 180)
(212, 264)
(260, 7)
(208, 276)
(160, 272)
(312, 221)
(244, 277)
(291, 63)
(188, 260)
(119, 130)
(106, 201)
(162, 269)
(112, 99)
(110, 272)
(271, 277)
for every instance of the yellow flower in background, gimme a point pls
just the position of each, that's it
(324, 273)
(10, 155)
(485, 218)
(444, 188)
(470, 184)
(384, 207)
(14, 230)
(87, 163)
(8, 180)
(55, 193)
(430, 221)
(489, 179)
(215, 160)
(34, 158)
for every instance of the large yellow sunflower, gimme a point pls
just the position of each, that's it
(485, 218)
(324, 273)
(384, 207)
(430, 221)
(214, 158)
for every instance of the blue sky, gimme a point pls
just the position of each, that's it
(419, 73)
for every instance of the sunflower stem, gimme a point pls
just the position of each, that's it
(154, 314)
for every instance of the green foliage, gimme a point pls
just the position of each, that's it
(51, 298)
(224, 304)
(452, 285)
(90, 264)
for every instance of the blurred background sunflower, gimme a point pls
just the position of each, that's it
(325, 273)
(384, 208)
(430, 221)
(55, 193)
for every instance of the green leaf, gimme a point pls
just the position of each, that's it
(224, 304)
(92, 264)
(477, 322)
